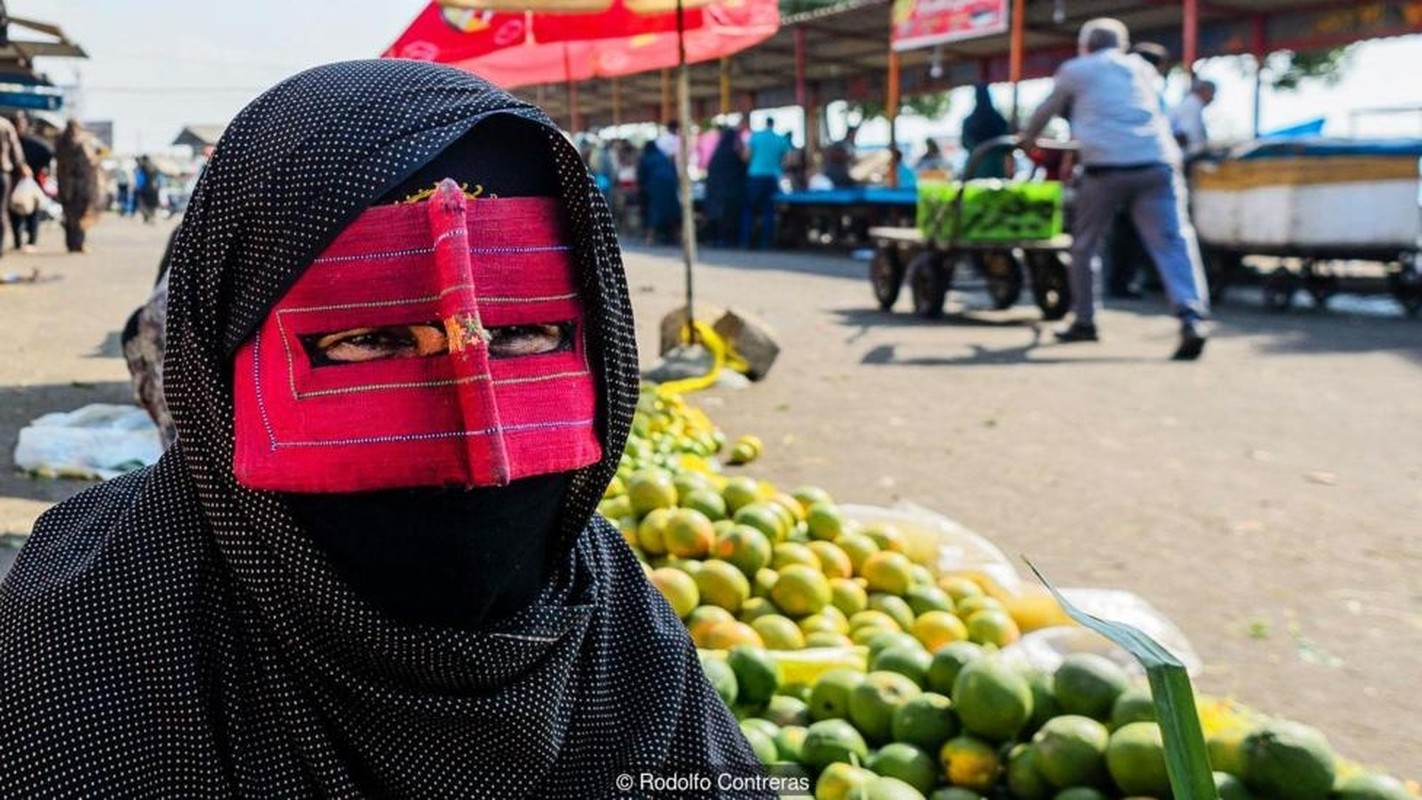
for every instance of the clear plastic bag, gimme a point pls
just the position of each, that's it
(98, 441)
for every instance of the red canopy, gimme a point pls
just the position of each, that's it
(515, 49)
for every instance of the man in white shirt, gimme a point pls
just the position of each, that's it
(1129, 159)
(1187, 121)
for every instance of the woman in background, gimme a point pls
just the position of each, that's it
(77, 172)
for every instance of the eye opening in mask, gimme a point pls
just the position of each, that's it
(425, 339)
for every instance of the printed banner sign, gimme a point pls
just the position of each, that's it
(924, 23)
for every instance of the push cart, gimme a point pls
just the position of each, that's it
(1324, 208)
(929, 264)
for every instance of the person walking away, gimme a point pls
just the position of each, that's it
(1125, 253)
(657, 180)
(148, 189)
(983, 123)
(669, 141)
(764, 169)
(37, 157)
(12, 163)
(726, 189)
(1129, 159)
(77, 170)
(839, 160)
(1187, 121)
(931, 164)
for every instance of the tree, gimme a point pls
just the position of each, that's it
(930, 105)
(1288, 70)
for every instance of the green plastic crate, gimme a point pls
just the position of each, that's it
(993, 211)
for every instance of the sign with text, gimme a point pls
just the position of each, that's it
(924, 23)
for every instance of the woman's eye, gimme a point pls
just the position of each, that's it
(527, 340)
(356, 345)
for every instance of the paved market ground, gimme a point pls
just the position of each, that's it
(1268, 499)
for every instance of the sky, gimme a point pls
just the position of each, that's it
(157, 65)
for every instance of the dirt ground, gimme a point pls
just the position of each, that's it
(1267, 498)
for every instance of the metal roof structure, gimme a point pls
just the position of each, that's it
(843, 50)
(199, 137)
(22, 52)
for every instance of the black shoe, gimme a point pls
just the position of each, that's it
(1077, 333)
(1193, 335)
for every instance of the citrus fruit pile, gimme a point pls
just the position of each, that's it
(963, 722)
(909, 696)
(744, 562)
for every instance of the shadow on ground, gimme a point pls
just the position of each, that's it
(21, 404)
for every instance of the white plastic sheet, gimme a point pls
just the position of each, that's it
(98, 441)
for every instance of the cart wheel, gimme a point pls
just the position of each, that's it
(1320, 283)
(1003, 273)
(886, 275)
(1222, 269)
(929, 277)
(1050, 287)
(1406, 286)
(1279, 288)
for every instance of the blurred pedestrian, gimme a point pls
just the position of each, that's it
(765, 166)
(1125, 254)
(932, 160)
(1130, 159)
(983, 123)
(146, 182)
(76, 160)
(1187, 121)
(661, 209)
(37, 155)
(726, 189)
(669, 140)
(12, 165)
(839, 160)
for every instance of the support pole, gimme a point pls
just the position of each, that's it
(725, 106)
(1015, 55)
(1259, 46)
(667, 85)
(891, 107)
(1190, 36)
(688, 210)
(616, 102)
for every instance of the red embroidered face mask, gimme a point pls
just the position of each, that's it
(433, 344)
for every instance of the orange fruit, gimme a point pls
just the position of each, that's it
(809, 495)
(858, 547)
(689, 534)
(959, 587)
(779, 633)
(721, 584)
(740, 491)
(848, 596)
(887, 571)
(934, 629)
(887, 536)
(765, 518)
(649, 489)
(703, 617)
(651, 532)
(788, 553)
(825, 522)
(744, 546)
(678, 588)
(801, 590)
(725, 635)
(993, 626)
(834, 562)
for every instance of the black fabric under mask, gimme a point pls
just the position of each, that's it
(446, 557)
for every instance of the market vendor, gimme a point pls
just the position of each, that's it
(1129, 160)
(401, 367)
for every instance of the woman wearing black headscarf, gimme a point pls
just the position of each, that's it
(982, 124)
(229, 624)
(656, 177)
(726, 188)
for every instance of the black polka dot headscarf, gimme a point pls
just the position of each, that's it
(172, 634)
